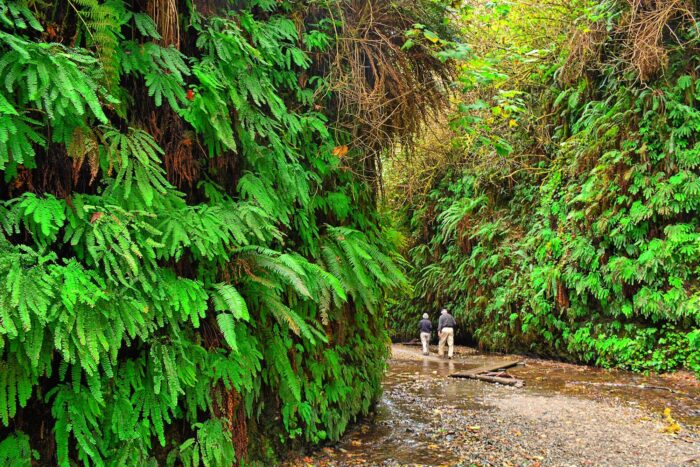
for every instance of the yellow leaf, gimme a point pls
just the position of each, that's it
(672, 427)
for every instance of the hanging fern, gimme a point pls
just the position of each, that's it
(151, 321)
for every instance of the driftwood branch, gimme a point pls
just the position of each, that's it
(508, 381)
(490, 374)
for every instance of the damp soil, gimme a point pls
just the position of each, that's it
(565, 415)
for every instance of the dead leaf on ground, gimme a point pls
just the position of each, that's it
(672, 427)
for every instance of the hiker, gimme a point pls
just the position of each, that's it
(446, 333)
(426, 327)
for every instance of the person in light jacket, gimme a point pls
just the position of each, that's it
(426, 327)
(446, 332)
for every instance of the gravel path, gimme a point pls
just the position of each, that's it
(427, 418)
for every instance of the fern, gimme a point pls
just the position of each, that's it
(15, 450)
(100, 26)
(76, 413)
(146, 26)
(212, 446)
(277, 355)
(227, 298)
(17, 140)
(155, 311)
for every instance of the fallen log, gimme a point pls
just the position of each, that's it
(490, 374)
(508, 381)
(493, 367)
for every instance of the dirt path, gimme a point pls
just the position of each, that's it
(567, 415)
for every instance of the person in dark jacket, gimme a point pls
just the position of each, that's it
(446, 332)
(426, 327)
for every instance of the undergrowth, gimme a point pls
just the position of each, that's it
(565, 218)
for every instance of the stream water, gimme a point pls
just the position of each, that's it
(566, 415)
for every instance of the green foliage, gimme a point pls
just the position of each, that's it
(212, 446)
(15, 450)
(590, 251)
(134, 308)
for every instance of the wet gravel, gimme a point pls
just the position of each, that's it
(427, 418)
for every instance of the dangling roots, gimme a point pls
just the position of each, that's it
(646, 34)
(649, 20)
(384, 92)
(164, 13)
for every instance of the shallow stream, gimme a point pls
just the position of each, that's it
(562, 416)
